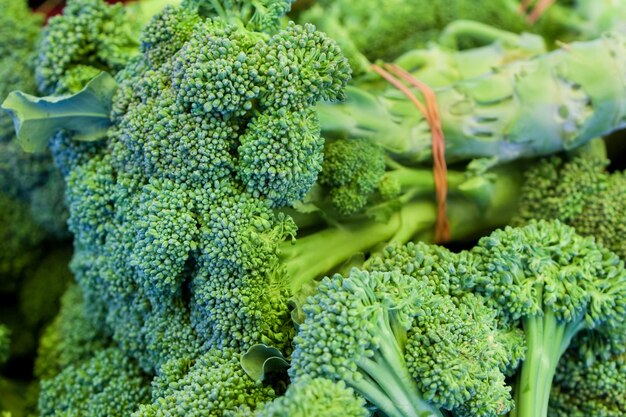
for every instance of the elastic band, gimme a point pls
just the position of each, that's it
(431, 113)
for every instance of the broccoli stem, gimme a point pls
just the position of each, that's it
(317, 254)
(495, 114)
(547, 340)
(463, 29)
(388, 372)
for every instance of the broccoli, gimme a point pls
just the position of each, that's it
(400, 25)
(71, 338)
(579, 192)
(214, 384)
(31, 191)
(109, 384)
(590, 379)
(90, 36)
(173, 216)
(375, 331)
(316, 397)
(554, 283)
(519, 109)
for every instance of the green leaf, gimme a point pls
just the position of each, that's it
(261, 360)
(84, 114)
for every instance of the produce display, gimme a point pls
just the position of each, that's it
(280, 208)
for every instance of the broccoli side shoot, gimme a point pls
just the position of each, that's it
(213, 385)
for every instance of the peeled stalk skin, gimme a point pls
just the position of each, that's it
(537, 106)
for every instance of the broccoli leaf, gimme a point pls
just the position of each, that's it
(85, 114)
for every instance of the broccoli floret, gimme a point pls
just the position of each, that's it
(316, 397)
(580, 193)
(590, 379)
(175, 217)
(374, 331)
(553, 283)
(213, 385)
(352, 171)
(109, 384)
(70, 339)
(90, 35)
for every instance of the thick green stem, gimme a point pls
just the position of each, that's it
(368, 389)
(546, 339)
(315, 255)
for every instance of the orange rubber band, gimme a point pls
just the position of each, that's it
(431, 113)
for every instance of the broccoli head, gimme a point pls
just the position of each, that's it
(375, 331)
(554, 283)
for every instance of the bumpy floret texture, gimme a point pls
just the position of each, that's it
(176, 236)
(109, 384)
(214, 385)
(345, 320)
(316, 397)
(90, 33)
(580, 193)
(591, 377)
(352, 171)
(575, 274)
(71, 338)
(30, 188)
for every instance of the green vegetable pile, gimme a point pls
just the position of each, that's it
(253, 194)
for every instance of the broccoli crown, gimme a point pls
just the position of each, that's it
(580, 193)
(316, 397)
(546, 267)
(555, 284)
(5, 343)
(176, 236)
(109, 384)
(474, 351)
(365, 327)
(90, 34)
(352, 171)
(212, 385)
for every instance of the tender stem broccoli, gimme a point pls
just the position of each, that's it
(553, 99)
(554, 283)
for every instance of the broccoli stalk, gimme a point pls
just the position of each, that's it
(522, 109)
